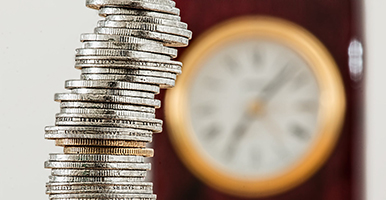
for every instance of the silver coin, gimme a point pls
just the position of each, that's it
(109, 121)
(126, 64)
(106, 11)
(61, 132)
(146, 27)
(163, 82)
(98, 172)
(136, 4)
(70, 84)
(95, 70)
(104, 196)
(92, 180)
(106, 106)
(133, 183)
(96, 136)
(101, 57)
(77, 198)
(113, 117)
(120, 53)
(130, 46)
(96, 158)
(133, 188)
(83, 142)
(141, 62)
(168, 39)
(120, 3)
(89, 37)
(106, 111)
(113, 92)
(109, 151)
(107, 98)
(96, 165)
(147, 19)
(114, 189)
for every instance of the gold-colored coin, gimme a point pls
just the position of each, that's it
(95, 142)
(109, 151)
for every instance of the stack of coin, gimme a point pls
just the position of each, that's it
(108, 117)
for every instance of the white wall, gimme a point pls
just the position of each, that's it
(37, 42)
(376, 99)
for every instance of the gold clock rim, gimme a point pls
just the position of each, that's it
(332, 105)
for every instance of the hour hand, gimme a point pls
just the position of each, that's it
(238, 133)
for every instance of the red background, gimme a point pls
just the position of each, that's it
(335, 23)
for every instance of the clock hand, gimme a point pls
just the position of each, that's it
(276, 83)
(255, 109)
(246, 120)
(238, 133)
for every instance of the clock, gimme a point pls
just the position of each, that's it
(286, 95)
(258, 108)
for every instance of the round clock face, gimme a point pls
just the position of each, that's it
(258, 108)
(254, 107)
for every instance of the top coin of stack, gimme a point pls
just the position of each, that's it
(108, 116)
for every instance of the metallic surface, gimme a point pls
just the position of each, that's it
(108, 117)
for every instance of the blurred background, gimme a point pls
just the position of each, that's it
(37, 42)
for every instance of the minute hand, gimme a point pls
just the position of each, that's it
(269, 90)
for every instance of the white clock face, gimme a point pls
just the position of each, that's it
(254, 107)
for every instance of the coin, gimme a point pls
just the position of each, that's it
(130, 46)
(109, 133)
(134, 62)
(94, 142)
(135, 188)
(91, 37)
(137, 4)
(132, 183)
(120, 53)
(120, 3)
(148, 19)
(92, 180)
(95, 70)
(163, 82)
(104, 196)
(106, 106)
(106, 111)
(113, 92)
(70, 84)
(107, 99)
(96, 158)
(168, 39)
(146, 27)
(98, 172)
(63, 119)
(96, 165)
(90, 62)
(109, 151)
(107, 11)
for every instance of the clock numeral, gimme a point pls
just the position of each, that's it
(231, 64)
(299, 132)
(257, 59)
(212, 132)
